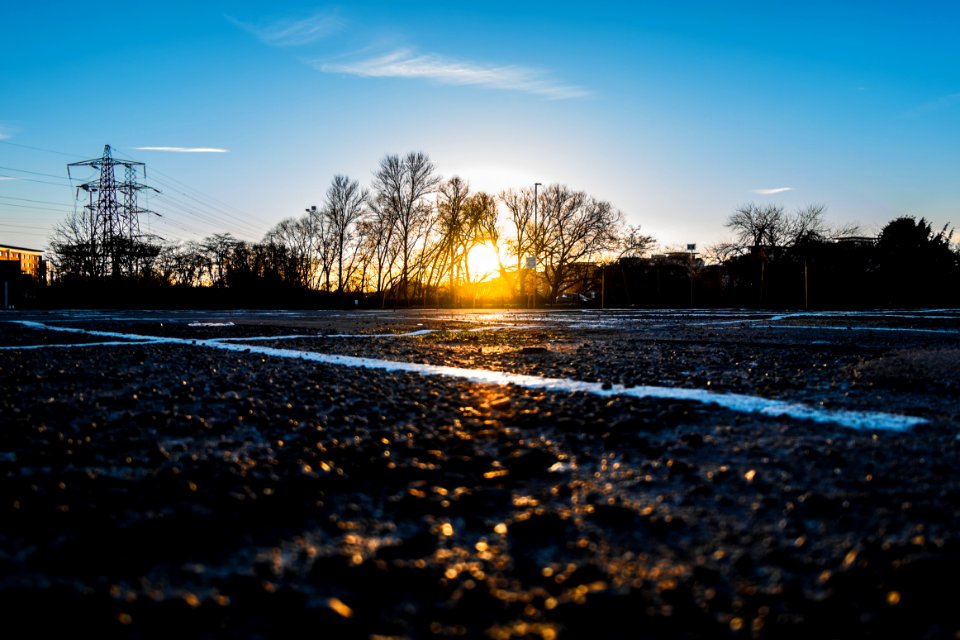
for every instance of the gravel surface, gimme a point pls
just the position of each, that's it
(152, 489)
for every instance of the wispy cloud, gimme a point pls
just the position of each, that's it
(4, 178)
(4, 134)
(405, 63)
(184, 149)
(294, 33)
(770, 192)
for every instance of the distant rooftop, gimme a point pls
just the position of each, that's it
(857, 239)
(10, 246)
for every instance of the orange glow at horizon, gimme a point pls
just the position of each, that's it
(483, 260)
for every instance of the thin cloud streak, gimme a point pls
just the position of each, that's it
(404, 63)
(184, 149)
(294, 33)
(770, 192)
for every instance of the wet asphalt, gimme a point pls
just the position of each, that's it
(161, 484)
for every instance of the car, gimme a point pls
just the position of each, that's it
(573, 299)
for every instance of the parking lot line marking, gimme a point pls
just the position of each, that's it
(741, 403)
(69, 345)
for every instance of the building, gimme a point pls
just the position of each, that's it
(31, 260)
(857, 241)
(21, 272)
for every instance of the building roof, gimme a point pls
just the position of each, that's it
(10, 246)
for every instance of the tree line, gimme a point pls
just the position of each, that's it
(782, 260)
(797, 260)
(404, 240)
(408, 237)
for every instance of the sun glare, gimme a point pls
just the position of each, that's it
(483, 262)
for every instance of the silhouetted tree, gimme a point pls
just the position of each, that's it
(632, 243)
(573, 228)
(755, 226)
(451, 199)
(345, 206)
(79, 253)
(776, 247)
(479, 225)
(218, 248)
(380, 248)
(73, 256)
(519, 205)
(916, 265)
(401, 187)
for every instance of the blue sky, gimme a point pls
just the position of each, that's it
(675, 112)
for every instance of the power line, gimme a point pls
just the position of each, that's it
(217, 214)
(18, 179)
(224, 208)
(24, 146)
(211, 218)
(34, 173)
(7, 225)
(59, 204)
(26, 206)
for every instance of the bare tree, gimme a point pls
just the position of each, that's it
(80, 251)
(317, 242)
(806, 225)
(479, 224)
(380, 248)
(298, 237)
(632, 243)
(195, 266)
(401, 186)
(346, 205)
(721, 252)
(769, 227)
(73, 251)
(756, 226)
(218, 248)
(572, 229)
(452, 196)
(520, 211)
(769, 234)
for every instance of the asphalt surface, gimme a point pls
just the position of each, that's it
(562, 474)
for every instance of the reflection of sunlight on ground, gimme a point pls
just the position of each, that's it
(738, 402)
(515, 473)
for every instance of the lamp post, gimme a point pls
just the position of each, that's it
(536, 185)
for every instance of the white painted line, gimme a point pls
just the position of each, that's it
(71, 345)
(853, 328)
(741, 403)
(843, 316)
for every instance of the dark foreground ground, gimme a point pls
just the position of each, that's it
(160, 490)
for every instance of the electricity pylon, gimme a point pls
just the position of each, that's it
(113, 217)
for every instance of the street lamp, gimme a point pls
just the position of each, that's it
(536, 185)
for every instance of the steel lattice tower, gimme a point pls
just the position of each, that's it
(113, 217)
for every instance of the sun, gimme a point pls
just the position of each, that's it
(483, 261)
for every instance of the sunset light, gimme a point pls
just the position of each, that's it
(483, 262)
(550, 320)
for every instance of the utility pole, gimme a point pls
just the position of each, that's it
(113, 217)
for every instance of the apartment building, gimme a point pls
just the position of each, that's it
(31, 260)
